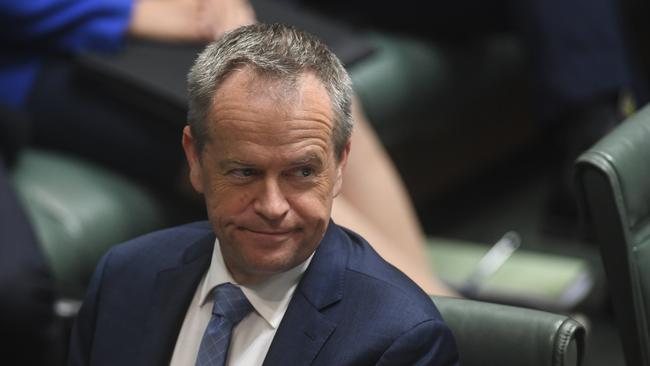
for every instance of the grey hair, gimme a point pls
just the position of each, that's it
(273, 50)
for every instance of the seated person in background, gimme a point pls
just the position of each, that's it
(270, 279)
(27, 326)
(38, 40)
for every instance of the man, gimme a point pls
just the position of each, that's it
(267, 142)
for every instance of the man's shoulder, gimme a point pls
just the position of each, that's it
(162, 245)
(374, 279)
(379, 308)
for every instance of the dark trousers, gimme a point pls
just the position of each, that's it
(73, 115)
(27, 326)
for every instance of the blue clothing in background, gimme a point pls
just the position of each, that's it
(67, 112)
(32, 29)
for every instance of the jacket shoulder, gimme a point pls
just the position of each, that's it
(381, 282)
(163, 247)
(383, 317)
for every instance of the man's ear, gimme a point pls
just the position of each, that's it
(343, 161)
(192, 156)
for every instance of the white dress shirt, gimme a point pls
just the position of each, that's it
(251, 338)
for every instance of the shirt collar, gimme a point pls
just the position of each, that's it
(269, 298)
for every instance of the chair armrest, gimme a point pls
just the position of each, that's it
(492, 334)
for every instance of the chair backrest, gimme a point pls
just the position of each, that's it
(491, 334)
(613, 182)
(79, 210)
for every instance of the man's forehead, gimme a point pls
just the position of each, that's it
(257, 83)
(245, 95)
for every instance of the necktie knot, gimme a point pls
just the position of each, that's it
(230, 303)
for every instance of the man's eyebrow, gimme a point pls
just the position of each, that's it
(309, 158)
(227, 163)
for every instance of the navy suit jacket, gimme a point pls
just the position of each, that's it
(350, 307)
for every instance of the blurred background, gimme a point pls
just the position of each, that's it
(481, 106)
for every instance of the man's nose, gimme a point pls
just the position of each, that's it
(271, 203)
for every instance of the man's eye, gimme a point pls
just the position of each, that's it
(243, 173)
(304, 172)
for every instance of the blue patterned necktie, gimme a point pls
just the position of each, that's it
(230, 307)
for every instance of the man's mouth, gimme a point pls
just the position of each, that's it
(270, 232)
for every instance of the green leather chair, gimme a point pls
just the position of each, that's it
(613, 181)
(490, 334)
(79, 210)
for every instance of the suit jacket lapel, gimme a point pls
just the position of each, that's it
(172, 294)
(304, 328)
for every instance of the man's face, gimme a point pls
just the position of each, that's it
(268, 172)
